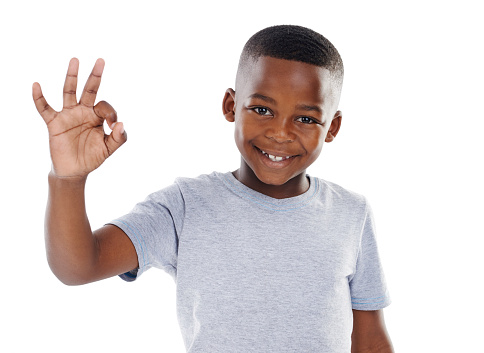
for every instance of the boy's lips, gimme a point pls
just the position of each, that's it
(277, 157)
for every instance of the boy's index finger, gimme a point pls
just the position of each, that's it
(70, 85)
(88, 96)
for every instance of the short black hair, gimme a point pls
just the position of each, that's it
(294, 43)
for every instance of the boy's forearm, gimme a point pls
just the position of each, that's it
(70, 245)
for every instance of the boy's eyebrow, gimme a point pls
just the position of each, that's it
(264, 98)
(309, 108)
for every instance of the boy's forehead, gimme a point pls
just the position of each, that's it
(284, 75)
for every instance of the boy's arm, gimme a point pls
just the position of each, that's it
(75, 254)
(369, 333)
(78, 145)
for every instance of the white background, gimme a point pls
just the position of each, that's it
(411, 141)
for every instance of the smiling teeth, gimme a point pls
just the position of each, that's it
(275, 158)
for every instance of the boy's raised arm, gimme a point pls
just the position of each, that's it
(78, 145)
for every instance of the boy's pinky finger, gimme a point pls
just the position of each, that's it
(44, 109)
(117, 137)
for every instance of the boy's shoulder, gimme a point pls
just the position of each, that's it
(341, 198)
(339, 191)
(201, 182)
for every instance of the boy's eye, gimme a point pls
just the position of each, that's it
(307, 120)
(262, 111)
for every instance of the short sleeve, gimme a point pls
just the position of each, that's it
(367, 286)
(153, 227)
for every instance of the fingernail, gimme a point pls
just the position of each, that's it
(113, 125)
(122, 128)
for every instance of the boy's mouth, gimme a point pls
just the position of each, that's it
(273, 157)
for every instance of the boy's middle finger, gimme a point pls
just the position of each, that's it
(88, 96)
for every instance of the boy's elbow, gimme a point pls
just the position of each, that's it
(70, 276)
(72, 281)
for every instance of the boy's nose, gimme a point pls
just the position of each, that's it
(280, 131)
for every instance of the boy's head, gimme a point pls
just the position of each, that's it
(285, 104)
(293, 43)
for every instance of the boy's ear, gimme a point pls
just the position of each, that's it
(334, 128)
(228, 105)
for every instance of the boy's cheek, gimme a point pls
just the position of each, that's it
(245, 128)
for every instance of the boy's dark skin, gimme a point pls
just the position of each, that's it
(284, 108)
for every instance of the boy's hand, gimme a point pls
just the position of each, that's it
(78, 144)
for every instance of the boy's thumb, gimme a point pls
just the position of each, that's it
(116, 138)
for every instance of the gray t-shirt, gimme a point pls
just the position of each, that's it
(258, 274)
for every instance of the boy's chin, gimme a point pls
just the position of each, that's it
(274, 179)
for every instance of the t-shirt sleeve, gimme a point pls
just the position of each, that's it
(367, 286)
(153, 227)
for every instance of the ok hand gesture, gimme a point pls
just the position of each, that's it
(78, 144)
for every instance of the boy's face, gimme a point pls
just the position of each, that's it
(283, 112)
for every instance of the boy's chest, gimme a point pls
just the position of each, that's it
(266, 255)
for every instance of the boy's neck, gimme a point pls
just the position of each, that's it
(293, 187)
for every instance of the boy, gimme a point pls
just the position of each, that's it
(267, 258)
